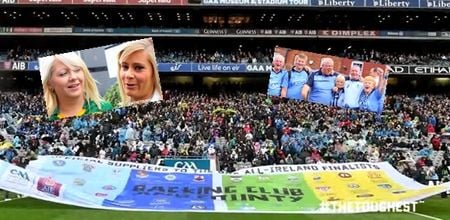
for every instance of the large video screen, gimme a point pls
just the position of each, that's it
(328, 80)
(100, 79)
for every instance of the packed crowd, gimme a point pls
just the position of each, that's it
(259, 55)
(26, 54)
(215, 56)
(239, 129)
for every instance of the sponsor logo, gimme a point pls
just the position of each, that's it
(236, 178)
(109, 187)
(198, 207)
(199, 178)
(160, 202)
(264, 178)
(101, 194)
(197, 202)
(185, 164)
(374, 175)
(353, 186)
(142, 174)
(364, 195)
(175, 67)
(59, 163)
(345, 175)
(323, 188)
(385, 186)
(124, 201)
(293, 178)
(79, 182)
(49, 186)
(170, 177)
(23, 175)
(399, 192)
(88, 167)
(317, 177)
(331, 199)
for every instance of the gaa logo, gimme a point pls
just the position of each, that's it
(345, 175)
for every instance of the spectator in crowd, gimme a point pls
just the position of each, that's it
(240, 129)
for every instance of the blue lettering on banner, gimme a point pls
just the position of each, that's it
(185, 192)
(338, 3)
(393, 3)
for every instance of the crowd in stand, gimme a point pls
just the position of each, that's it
(240, 129)
(260, 55)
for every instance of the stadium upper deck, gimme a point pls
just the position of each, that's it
(339, 18)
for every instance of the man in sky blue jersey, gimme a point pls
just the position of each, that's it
(353, 88)
(277, 75)
(320, 84)
(295, 79)
(373, 91)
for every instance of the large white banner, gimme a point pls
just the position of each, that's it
(312, 188)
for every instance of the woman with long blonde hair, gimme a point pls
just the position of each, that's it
(138, 73)
(69, 88)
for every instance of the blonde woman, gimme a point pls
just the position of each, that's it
(373, 91)
(69, 89)
(138, 74)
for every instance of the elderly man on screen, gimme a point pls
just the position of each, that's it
(353, 88)
(277, 75)
(320, 84)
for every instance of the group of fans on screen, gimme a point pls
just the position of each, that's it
(326, 86)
